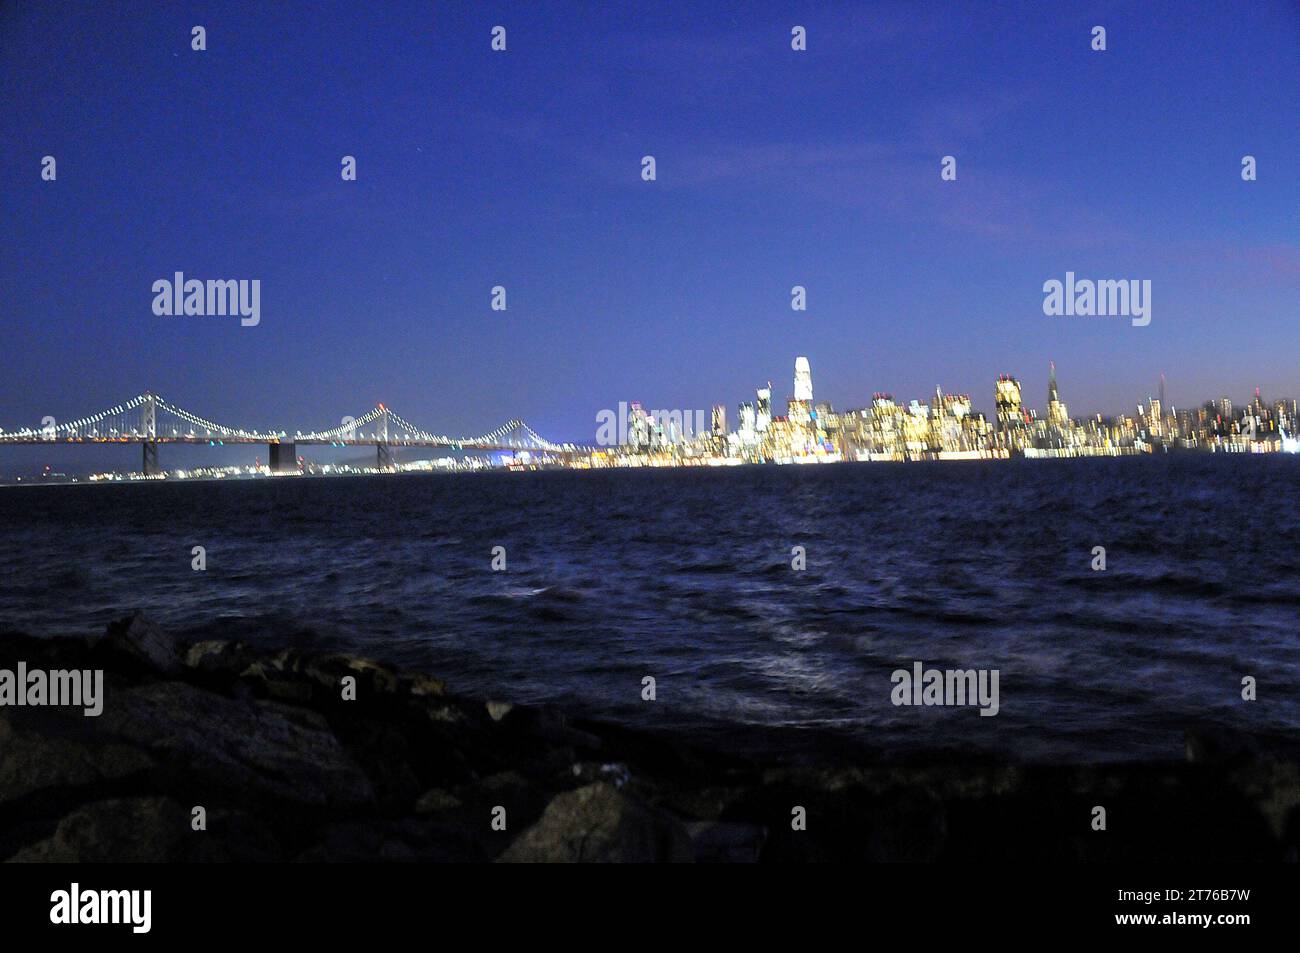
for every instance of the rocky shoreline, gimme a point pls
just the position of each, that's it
(285, 768)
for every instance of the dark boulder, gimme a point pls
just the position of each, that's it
(139, 638)
(600, 824)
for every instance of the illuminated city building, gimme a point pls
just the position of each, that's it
(1155, 418)
(1007, 400)
(1057, 415)
(1010, 416)
(745, 427)
(802, 380)
(916, 428)
(948, 428)
(638, 427)
(799, 407)
(763, 418)
(886, 427)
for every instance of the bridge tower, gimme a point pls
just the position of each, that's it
(283, 457)
(149, 424)
(385, 453)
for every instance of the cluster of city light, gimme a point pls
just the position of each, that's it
(946, 427)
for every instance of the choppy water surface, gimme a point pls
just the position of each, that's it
(685, 575)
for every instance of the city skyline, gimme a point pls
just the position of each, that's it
(943, 426)
(950, 426)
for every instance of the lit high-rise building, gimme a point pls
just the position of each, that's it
(1007, 401)
(638, 426)
(1285, 411)
(916, 427)
(802, 380)
(947, 421)
(719, 419)
(800, 406)
(1057, 415)
(1155, 417)
(886, 424)
(745, 425)
(763, 417)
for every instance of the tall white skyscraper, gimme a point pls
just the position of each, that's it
(799, 407)
(802, 380)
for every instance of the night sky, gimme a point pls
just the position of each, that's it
(523, 169)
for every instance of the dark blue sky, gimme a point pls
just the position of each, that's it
(775, 168)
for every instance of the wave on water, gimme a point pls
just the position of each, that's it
(692, 581)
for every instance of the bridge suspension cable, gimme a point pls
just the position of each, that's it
(136, 429)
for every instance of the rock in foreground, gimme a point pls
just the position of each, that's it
(218, 752)
(599, 823)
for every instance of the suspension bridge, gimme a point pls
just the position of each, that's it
(150, 421)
